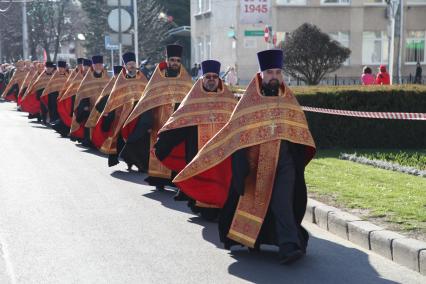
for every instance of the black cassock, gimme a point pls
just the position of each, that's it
(52, 106)
(14, 90)
(136, 149)
(82, 113)
(168, 140)
(287, 207)
(106, 126)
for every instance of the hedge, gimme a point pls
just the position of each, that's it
(331, 131)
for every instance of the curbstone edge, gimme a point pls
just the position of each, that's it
(407, 253)
(381, 242)
(338, 223)
(359, 232)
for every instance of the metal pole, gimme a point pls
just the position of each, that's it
(119, 30)
(401, 37)
(24, 30)
(392, 48)
(135, 28)
(112, 60)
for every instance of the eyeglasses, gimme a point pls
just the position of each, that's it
(174, 59)
(211, 77)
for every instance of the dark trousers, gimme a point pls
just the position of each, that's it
(282, 198)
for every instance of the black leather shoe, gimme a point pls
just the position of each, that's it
(289, 253)
(180, 196)
(112, 160)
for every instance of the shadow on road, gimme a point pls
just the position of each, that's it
(325, 262)
(166, 199)
(132, 176)
(40, 127)
(92, 151)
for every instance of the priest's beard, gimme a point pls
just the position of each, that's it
(172, 72)
(98, 74)
(271, 89)
(210, 87)
(131, 73)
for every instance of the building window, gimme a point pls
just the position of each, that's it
(208, 5)
(200, 6)
(199, 50)
(374, 48)
(208, 45)
(291, 2)
(374, 2)
(203, 6)
(335, 2)
(422, 2)
(415, 47)
(343, 39)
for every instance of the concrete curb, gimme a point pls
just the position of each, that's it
(408, 252)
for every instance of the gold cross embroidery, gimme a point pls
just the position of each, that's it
(273, 126)
(212, 118)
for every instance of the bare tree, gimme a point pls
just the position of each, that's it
(11, 32)
(310, 54)
(51, 23)
(152, 30)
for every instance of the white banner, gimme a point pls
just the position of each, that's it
(255, 11)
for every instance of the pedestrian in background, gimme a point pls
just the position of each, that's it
(199, 71)
(194, 72)
(418, 77)
(231, 77)
(383, 77)
(367, 78)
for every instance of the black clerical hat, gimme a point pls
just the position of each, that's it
(97, 59)
(49, 64)
(80, 60)
(62, 64)
(174, 50)
(87, 62)
(210, 66)
(117, 69)
(270, 59)
(129, 56)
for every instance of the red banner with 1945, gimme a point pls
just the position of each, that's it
(254, 11)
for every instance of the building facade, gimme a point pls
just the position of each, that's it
(361, 25)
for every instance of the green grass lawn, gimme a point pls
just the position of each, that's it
(391, 196)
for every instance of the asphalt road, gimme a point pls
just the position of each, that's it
(65, 217)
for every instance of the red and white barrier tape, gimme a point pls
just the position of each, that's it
(369, 114)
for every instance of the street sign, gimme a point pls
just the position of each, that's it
(124, 3)
(126, 38)
(109, 45)
(126, 20)
(254, 33)
(231, 33)
(266, 34)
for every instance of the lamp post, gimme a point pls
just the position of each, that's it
(401, 38)
(135, 28)
(392, 10)
(24, 30)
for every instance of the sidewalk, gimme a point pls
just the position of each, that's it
(408, 252)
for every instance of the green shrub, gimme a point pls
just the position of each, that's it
(332, 131)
